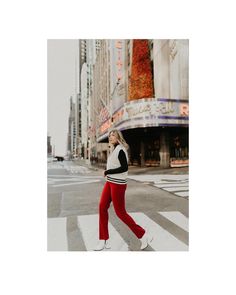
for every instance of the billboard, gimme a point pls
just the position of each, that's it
(147, 112)
(117, 61)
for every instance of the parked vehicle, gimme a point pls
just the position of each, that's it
(59, 159)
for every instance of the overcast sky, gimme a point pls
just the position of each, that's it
(61, 85)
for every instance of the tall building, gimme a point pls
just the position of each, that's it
(141, 88)
(84, 110)
(88, 49)
(100, 102)
(71, 138)
(78, 125)
(49, 146)
(82, 54)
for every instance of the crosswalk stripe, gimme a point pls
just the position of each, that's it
(57, 238)
(171, 185)
(177, 184)
(172, 180)
(68, 179)
(61, 179)
(176, 217)
(75, 183)
(73, 176)
(55, 167)
(182, 194)
(162, 239)
(88, 225)
(50, 182)
(159, 177)
(176, 188)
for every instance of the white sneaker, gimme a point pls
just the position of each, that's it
(107, 244)
(145, 240)
(102, 244)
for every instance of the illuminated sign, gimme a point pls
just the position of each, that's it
(103, 115)
(183, 109)
(117, 74)
(119, 63)
(105, 126)
(147, 112)
(118, 116)
(151, 112)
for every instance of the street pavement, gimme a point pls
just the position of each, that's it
(153, 199)
(177, 184)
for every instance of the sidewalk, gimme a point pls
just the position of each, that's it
(135, 170)
(173, 180)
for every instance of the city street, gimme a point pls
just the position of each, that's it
(151, 199)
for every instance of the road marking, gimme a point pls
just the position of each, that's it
(88, 225)
(178, 184)
(162, 239)
(176, 217)
(61, 179)
(55, 167)
(67, 179)
(73, 176)
(75, 183)
(159, 177)
(175, 189)
(57, 237)
(182, 194)
(170, 185)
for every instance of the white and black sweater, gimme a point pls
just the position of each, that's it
(117, 165)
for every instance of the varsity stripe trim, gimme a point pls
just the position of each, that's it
(115, 180)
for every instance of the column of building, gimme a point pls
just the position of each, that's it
(171, 84)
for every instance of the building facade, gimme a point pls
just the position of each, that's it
(141, 88)
(100, 102)
(49, 146)
(171, 67)
(84, 110)
(86, 122)
(78, 125)
(71, 138)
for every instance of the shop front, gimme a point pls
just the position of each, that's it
(146, 149)
(155, 129)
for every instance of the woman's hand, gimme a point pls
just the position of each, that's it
(104, 174)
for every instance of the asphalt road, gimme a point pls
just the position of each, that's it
(73, 197)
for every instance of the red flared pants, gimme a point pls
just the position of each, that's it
(115, 193)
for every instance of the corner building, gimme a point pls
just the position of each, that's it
(146, 97)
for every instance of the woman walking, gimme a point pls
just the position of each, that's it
(114, 190)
